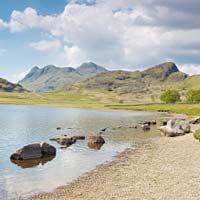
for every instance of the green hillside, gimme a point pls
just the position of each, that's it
(6, 86)
(113, 90)
(133, 87)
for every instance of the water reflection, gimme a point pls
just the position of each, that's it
(95, 146)
(32, 163)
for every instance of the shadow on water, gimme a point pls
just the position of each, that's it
(32, 163)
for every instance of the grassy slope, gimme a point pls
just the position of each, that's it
(89, 100)
(85, 95)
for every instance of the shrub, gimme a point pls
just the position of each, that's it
(193, 96)
(170, 96)
(197, 134)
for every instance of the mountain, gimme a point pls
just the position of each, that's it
(52, 77)
(6, 86)
(125, 81)
(135, 86)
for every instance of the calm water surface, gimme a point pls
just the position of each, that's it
(21, 125)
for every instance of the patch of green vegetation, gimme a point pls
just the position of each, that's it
(170, 96)
(94, 99)
(197, 135)
(193, 96)
(188, 109)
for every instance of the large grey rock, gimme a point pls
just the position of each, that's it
(175, 128)
(34, 151)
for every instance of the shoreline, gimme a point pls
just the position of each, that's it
(161, 168)
(169, 114)
(88, 108)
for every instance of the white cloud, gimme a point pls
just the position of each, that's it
(16, 77)
(122, 33)
(190, 69)
(46, 45)
(2, 24)
(74, 56)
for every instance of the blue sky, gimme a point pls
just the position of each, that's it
(117, 34)
(16, 57)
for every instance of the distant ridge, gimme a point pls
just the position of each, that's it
(91, 76)
(138, 86)
(6, 86)
(51, 77)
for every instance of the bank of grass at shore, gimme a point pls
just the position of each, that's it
(92, 100)
(188, 109)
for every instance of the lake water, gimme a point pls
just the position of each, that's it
(21, 125)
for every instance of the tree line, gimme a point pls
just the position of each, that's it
(173, 96)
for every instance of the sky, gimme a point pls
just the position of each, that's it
(116, 34)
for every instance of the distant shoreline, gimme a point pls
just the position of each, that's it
(174, 109)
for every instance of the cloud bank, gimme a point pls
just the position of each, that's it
(118, 34)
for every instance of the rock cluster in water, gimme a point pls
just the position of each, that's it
(39, 151)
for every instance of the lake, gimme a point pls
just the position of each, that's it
(21, 125)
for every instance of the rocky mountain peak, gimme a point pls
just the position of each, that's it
(161, 71)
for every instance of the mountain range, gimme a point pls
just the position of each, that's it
(51, 77)
(90, 81)
(138, 86)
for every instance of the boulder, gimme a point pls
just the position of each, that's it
(175, 128)
(146, 127)
(34, 151)
(195, 120)
(47, 150)
(95, 139)
(66, 141)
(95, 146)
(78, 137)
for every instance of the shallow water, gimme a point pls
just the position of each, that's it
(21, 125)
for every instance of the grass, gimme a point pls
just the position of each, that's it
(94, 100)
(189, 109)
(197, 135)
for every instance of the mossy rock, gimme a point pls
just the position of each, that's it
(197, 135)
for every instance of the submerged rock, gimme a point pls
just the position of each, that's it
(175, 128)
(66, 141)
(34, 151)
(133, 127)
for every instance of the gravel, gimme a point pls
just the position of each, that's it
(160, 169)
